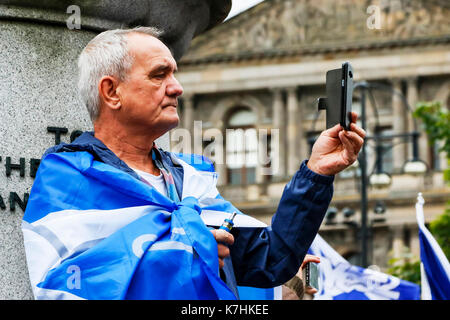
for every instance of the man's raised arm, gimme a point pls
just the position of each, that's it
(271, 256)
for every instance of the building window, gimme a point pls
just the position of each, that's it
(242, 118)
(241, 142)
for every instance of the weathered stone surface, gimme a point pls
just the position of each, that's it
(37, 90)
(180, 20)
(38, 76)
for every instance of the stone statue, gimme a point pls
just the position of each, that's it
(181, 21)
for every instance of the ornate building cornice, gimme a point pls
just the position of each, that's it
(277, 28)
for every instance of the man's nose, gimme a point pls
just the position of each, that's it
(174, 88)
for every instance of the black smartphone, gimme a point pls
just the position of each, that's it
(339, 90)
(311, 275)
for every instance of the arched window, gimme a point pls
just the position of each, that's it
(241, 147)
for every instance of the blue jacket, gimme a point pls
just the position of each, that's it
(260, 257)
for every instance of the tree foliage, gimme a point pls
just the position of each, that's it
(440, 228)
(436, 123)
(405, 269)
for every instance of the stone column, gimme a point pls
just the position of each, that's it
(398, 126)
(293, 162)
(412, 95)
(221, 158)
(397, 242)
(259, 176)
(259, 171)
(414, 241)
(279, 123)
(302, 144)
(443, 161)
(188, 112)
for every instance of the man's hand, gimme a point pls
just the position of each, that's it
(336, 149)
(308, 258)
(222, 237)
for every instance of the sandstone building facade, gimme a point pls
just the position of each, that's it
(257, 77)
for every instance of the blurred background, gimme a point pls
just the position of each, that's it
(263, 69)
(251, 86)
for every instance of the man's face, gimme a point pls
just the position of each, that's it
(149, 93)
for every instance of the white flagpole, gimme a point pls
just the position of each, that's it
(425, 287)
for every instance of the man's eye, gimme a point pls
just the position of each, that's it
(159, 76)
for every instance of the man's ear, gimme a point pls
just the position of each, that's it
(107, 88)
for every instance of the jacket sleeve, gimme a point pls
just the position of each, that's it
(268, 257)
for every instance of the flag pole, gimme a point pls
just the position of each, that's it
(425, 293)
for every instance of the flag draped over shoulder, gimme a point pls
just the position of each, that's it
(339, 280)
(92, 231)
(435, 268)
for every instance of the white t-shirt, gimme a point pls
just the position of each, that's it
(156, 181)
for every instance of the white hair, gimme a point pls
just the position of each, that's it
(105, 55)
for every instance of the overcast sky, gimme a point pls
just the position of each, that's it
(241, 5)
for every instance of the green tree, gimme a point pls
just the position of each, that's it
(440, 228)
(436, 123)
(407, 267)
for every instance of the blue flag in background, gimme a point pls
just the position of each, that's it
(435, 268)
(339, 280)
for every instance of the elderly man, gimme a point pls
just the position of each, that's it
(112, 216)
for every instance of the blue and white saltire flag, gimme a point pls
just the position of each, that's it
(92, 231)
(339, 280)
(434, 266)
